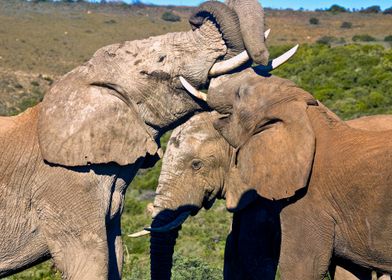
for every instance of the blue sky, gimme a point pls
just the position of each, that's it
(306, 4)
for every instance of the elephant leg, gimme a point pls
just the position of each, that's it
(116, 256)
(342, 274)
(306, 245)
(231, 269)
(72, 217)
(80, 259)
(345, 270)
(251, 251)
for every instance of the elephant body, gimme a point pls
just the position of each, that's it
(69, 214)
(305, 187)
(66, 163)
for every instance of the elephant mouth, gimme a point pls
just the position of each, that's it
(174, 224)
(171, 219)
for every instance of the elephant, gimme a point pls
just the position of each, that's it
(307, 181)
(66, 163)
(199, 138)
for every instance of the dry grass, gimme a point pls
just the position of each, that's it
(54, 38)
(292, 26)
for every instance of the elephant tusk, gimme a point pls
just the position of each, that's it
(226, 66)
(196, 93)
(266, 33)
(139, 234)
(174, 224)
(275, 63)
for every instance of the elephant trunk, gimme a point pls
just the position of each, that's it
(251, 18)
(161, 249)
(227, 22)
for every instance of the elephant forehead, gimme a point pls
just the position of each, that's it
(197, 129)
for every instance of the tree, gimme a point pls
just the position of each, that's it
(388, 11)
(337, 9)
(371, 10)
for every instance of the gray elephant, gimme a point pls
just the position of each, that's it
(307, 188)
(66, 163)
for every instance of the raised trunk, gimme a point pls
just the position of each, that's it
(226, 20)
(251, 18)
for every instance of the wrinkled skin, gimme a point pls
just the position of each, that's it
(183, 187)
(251, 18)
(330, 183)
(66, 163)
(193, 161)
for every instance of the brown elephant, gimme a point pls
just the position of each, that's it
(316, 187)
(66, 163)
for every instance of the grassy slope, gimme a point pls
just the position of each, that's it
(353, 80)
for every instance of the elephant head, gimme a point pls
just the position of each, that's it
(268, 151)
(268, 115)
(192, 176)
(115, 107)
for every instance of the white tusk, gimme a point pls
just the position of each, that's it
(284, 57)
(196, 93)
(226, 66)
(266, 33)
(275, 63)
(139, 234)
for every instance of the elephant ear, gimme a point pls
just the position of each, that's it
(276, 161)
(81, 123)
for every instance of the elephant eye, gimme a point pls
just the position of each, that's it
(197, 164)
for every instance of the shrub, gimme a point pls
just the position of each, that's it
(337, 9)
(371, 10)
(194, 268)
(388, 11)
(388, 38)
(326, 40)
(363, 38)
(314, 21)
(169, 16)
(346, 24)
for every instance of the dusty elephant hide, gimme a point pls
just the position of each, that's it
(197, 168)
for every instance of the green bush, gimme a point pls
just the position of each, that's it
(337, 9)
(388, 38)
(351, 80)
(363, 38)
(314, 21)
(346, 24)
(169, 16)
(326, 40)
(371, 10)
(194, 268)
(388, 11)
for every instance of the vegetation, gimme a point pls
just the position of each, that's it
(346, 24)
(388, 11)
(363, 38)
(371, 10)
(337, 9)
(169, 16)
(329, 40)
(388, 38)
(352, 80)
(314, 21)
